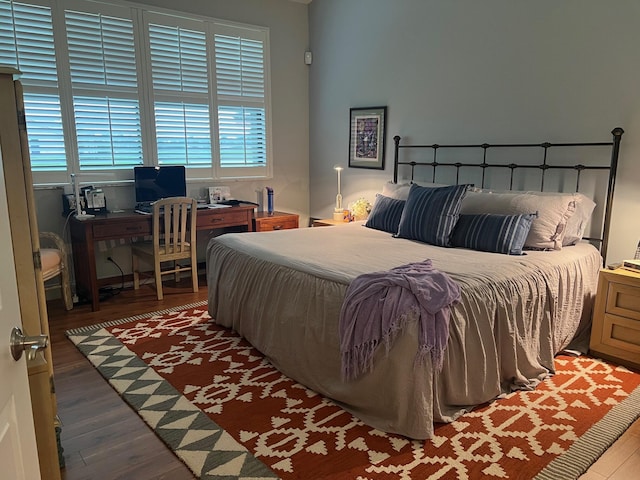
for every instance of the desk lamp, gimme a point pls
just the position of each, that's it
(80, 214)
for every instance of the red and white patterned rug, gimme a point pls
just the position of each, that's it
(228, 413)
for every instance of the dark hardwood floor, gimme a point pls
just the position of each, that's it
(103, 438)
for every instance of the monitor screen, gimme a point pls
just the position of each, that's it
(154, 183)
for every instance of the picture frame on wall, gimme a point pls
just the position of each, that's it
(366, 138)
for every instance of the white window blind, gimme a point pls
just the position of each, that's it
(109, 86)
(180, 75)
(26, 43)
(240, 81)
(105, 90)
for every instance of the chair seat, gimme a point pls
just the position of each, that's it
(147, 247)
(51, 263)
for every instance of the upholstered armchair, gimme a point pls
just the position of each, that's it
(55, 263)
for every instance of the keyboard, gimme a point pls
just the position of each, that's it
(144, 208)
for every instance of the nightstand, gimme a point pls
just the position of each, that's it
(325, 222)
(615, 333)
(278, 221)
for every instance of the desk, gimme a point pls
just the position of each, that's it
(113, 226)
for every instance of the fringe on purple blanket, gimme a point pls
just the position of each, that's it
(378, 305)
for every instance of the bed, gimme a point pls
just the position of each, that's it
(283, 291)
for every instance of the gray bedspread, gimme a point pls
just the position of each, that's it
(283, 292)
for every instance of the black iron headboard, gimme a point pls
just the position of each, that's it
(543, 167)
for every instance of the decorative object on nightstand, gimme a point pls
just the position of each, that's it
(338, 213)
(267, 222)
(615, 333)
(360, 209)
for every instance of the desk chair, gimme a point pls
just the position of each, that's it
(55, 263)
(173, 238)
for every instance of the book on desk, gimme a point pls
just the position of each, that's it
(633, 265)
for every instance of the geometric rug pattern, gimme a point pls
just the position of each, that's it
(227, 413)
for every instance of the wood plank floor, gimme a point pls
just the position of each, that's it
(104, 439)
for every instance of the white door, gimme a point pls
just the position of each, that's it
(18, 452)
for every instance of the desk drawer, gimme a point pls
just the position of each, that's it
(121, 230)
(219, 219)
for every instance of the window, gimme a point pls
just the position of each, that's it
(108, 87)
(240, 88)
(104, 84)
(180, 75)
(26, 42)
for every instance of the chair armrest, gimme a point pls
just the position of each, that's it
(55, 239)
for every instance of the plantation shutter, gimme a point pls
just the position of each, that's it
(180, 76)
(26, 43)
(241, 101)
(102, 62)
(120, 85)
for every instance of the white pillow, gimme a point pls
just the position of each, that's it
(547, 230)
(577, 222)
(400, 191)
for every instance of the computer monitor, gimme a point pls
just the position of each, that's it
(154, 183)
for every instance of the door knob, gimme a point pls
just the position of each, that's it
(31, 345)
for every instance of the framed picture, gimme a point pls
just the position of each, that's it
(366, 139)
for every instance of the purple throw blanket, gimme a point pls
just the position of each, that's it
(377, 305)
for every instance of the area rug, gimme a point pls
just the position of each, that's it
(228, 413)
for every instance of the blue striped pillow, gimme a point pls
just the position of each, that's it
(385, 214)
(492, 233)
(430, 214)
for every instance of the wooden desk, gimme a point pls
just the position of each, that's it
(113, 226)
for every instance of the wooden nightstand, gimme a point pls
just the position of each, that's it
(615, 333)
(278, 221)
(325, 222)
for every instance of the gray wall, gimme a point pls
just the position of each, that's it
(468, 71)
(288, 24)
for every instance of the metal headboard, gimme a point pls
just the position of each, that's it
(512, 167)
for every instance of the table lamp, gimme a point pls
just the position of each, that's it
(338, 213)
(80, 213)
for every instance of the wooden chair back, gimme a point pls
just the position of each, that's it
(174, 228)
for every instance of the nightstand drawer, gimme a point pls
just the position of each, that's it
(623, 300)
(615, 332)
(622, 333)
(278, 221)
